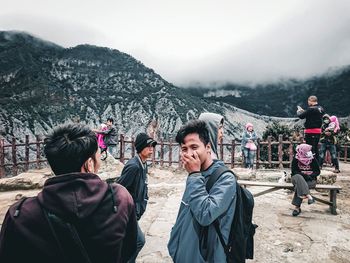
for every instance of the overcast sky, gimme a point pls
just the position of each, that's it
(199, 40)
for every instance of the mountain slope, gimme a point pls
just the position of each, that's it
(281, 99)
(43, 85)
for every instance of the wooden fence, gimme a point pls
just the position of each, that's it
(17, 157)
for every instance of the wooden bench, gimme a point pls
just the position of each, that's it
(333, 190)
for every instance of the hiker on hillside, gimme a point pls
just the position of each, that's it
(313, 122)
(109, 136)
(305, 170)
(198, 206)
(215, 124)
(249, 145)
(134, 178)
(101, 142)
(328, 141)
(76, 217)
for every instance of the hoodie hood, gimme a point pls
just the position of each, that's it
(213, 121)
(76, 195)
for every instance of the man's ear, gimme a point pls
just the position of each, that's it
(208, 147)
(88, 166)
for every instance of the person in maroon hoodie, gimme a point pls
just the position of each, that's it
(76, 217)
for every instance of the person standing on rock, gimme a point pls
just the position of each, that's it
(109, 136)
(76, 217)
(305, 170)
(199, 205)
(313, 123)
(215, 124)
(134, 178)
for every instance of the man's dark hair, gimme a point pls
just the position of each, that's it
(194, 126)
(111, 120)
(68, 147)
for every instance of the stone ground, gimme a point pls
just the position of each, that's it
(314, 236)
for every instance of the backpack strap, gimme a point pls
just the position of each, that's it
(215, 176)
(222, 241)
(61, 226)
(212, 179)
(18, 209)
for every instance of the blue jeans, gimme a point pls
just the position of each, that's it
(332, 150)
(249, 157)
(140, 243)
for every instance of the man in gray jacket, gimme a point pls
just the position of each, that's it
(199, 205)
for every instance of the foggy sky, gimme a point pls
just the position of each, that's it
(199, 40)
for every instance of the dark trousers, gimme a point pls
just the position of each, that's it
(301, 188)
(140, 243)
(313, 139)
(332, 150)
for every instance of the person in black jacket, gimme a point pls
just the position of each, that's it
(328, 142)
(110, 136)
(305, 170)
(313, 122)
(134, 178)
(102, 214)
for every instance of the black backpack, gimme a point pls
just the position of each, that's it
(241, 238)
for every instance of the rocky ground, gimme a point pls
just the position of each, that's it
(314, 236)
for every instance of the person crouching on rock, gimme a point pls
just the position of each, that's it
(305, 170)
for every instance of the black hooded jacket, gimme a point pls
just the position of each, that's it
(313, 116)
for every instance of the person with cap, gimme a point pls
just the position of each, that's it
(134, 179)
(215, 124)
(248, 144)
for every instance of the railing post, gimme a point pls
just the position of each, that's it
(170, 153)
(233, 146)
(269, 155)
(221, 150)
(26, 156)
(122, 148)
(290, 150)
(280, 151)
(14, 157)
(345, 153)
(180, 161)
(132, 147)
(161, 152)
(154, 156)
(258, 154)
(2, 157)
(38, 164)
